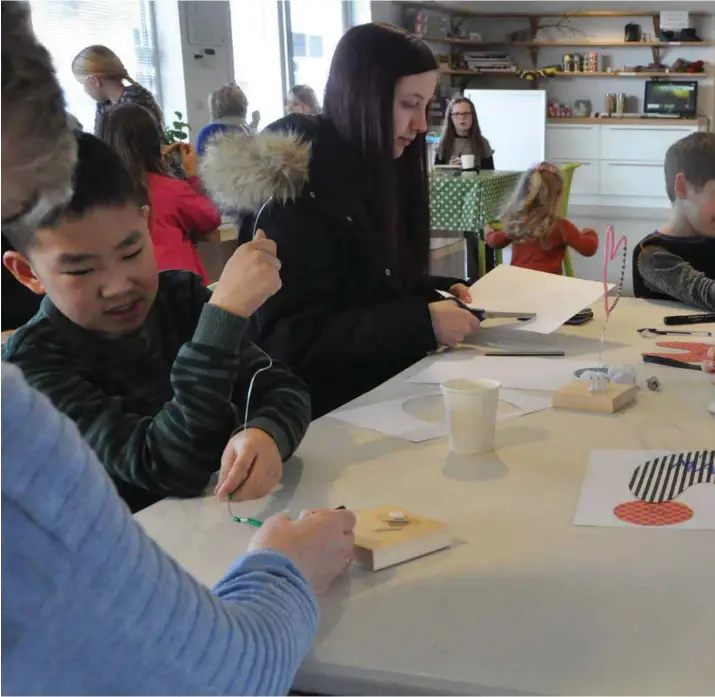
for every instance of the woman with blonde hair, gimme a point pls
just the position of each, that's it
(102, 74)
(302, 100)
(228, 106)
(532, 223)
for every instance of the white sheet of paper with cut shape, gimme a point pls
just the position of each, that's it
(389, 417)
(513, 372)
(554, 299)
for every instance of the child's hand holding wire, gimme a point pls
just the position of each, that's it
(250, 466)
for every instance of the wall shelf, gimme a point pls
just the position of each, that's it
(567, 44)
(457, 11)
(515, 73)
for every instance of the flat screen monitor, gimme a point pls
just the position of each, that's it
(671, 97)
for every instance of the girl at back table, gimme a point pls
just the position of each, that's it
(462, 136)
(179, 214)
(533, 226)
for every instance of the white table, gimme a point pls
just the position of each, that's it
(524, 601)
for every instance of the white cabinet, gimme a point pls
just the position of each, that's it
(642, 143)
(621, 164)
(572, 142)
(586, 178)
(642, 179)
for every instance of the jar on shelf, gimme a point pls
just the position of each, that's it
(610, 103)
(593, 62)
(567, 63)
(578, 62)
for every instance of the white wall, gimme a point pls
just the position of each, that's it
(385, 11)
(203, 75)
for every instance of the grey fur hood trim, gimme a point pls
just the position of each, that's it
(242, 172)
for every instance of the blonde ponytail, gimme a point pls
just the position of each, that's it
(99, 61)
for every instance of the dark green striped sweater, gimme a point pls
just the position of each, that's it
(158, 407)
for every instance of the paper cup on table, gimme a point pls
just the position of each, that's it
(467, 161)
(471, 412)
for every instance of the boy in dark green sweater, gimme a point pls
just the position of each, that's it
(153, 368)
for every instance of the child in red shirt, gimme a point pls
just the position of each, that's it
(179, 213)
(532, 224)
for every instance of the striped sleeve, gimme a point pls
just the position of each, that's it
(175, 452)
(668, 273)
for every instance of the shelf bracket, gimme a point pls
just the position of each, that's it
(533, 30)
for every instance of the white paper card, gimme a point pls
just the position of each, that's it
(389, 417)
(553, 298)
(605, 493)
(515, 372)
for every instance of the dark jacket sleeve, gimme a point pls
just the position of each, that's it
(176, 451)
(487, 163)
(307, 323)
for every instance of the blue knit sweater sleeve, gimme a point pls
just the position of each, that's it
(91, 605)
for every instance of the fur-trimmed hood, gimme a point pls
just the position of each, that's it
(241, 172)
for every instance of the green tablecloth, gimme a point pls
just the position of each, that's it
(468, 202)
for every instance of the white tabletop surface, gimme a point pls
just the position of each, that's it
(524, 602)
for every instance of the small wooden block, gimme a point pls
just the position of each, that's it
(381, 542)
(576, 395)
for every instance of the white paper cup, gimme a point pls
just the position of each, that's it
(467, 161)
(471, 412)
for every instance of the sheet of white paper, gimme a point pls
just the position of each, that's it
(554, 299)
(606, 486)
(389, 417)
(512, 372)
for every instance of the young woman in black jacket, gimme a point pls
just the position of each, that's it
(349, 211)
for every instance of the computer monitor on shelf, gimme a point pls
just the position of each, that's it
(675, 97)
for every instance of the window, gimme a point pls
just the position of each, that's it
(65, 27)
(257, 55)
(315, 35)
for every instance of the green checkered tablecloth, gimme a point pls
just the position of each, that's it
(468, 202)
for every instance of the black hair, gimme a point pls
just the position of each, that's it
(694, 156)
(359, 101)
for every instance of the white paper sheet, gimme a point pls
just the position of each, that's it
(606, 486)
(512, 372)
(554, 299)
(389, 417)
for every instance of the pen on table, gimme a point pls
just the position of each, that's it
(258, 523)
(673, 320)
(646, 331)
(524, 353)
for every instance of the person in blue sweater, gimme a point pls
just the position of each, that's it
(228, 106)
(90, 604)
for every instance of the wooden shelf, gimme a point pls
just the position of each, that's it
(623, 121)
(461, 12)
(568, 44)
(515, 73)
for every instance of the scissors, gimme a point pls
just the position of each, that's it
(482, 314)
(650, 332)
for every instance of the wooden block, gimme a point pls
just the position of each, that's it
(381, 542)
(576, 395)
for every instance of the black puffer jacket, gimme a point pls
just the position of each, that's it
(341, 321)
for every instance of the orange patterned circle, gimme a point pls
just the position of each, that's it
(653, 514)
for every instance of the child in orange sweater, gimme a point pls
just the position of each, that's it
(532, 224)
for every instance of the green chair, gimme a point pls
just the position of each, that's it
(567, 172)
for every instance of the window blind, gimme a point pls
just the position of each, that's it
(65, 27)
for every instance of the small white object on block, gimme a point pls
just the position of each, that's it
(579, 395)
(388, 536)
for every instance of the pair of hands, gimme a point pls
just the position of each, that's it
(450, 322)
(320, 543)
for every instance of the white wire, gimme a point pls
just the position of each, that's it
(270, 360)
